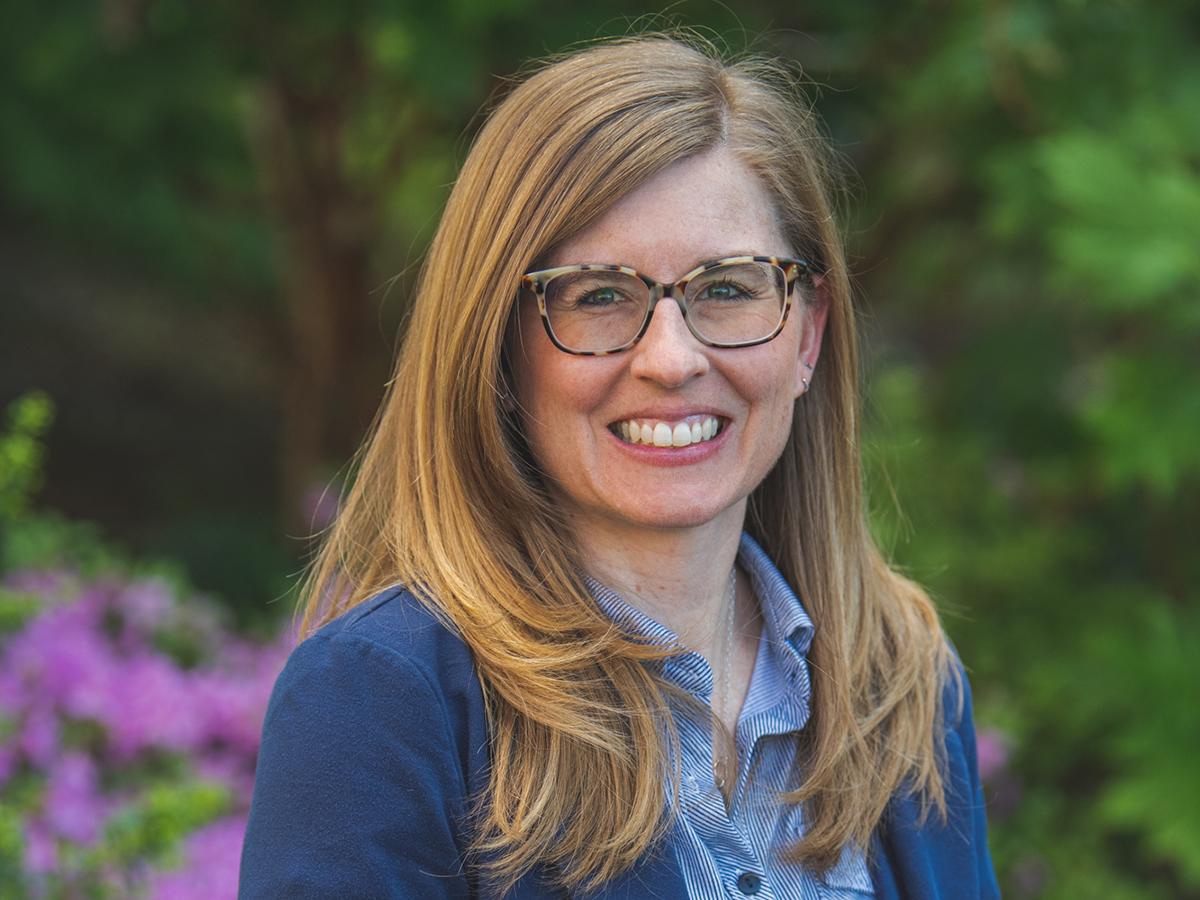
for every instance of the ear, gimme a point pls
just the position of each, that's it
(814, 314)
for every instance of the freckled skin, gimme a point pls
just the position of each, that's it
(698, 210)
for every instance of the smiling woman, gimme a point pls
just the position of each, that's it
(601, 614)
(573, 407)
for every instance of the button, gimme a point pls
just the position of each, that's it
(749, 883)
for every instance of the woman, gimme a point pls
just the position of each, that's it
(601, 614)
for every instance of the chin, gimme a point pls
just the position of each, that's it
(670, 515)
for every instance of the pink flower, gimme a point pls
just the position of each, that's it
(150, 703)
(58, 655)
(39, 738)
(41, 851)
(8, 762)
(90, 656)
(73, 807)
(211, 857)
(233, 705)
(991, 748)
(147, 605)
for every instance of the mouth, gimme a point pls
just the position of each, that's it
(659, 433)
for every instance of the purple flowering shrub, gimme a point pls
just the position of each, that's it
(129, 729)
(129, 715)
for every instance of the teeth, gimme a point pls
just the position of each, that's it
(662, 434)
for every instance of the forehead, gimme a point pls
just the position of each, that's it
(697, 210)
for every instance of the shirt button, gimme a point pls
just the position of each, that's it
(749, 883)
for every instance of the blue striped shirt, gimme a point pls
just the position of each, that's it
(736, 853)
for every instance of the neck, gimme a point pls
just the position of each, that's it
(681, 578)
(678, 577)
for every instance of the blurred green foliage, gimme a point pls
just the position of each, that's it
(1043, 439)
(154, 827)
(12, 849)
(142, 834)
(1025, 231)
(32, 538)
(21, 452)
(29, 537)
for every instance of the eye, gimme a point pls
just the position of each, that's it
(591, 292)
(726, 290)
(599, 298)
(735, 283)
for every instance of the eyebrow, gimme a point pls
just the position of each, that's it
(698, 260)
(703, 259)
(708, 256)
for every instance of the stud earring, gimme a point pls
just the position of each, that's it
(508, 403)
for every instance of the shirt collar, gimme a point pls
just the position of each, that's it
(785, 620)
(786, 625)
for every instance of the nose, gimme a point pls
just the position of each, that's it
(668, 352)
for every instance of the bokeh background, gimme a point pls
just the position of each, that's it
(211, 214)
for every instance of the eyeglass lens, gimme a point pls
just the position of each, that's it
(728, 304)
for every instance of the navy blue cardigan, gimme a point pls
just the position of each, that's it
(376, 738)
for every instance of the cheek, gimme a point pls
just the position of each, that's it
(532, 361)
(557, 394)
(769, 388)
(552, 386)
(771, 378)
(778, 412)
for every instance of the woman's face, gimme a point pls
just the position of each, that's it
(572, 407)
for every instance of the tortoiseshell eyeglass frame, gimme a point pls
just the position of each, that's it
(793, 270)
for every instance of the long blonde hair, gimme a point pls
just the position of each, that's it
(448, 499)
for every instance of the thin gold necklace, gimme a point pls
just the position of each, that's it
(721, 754)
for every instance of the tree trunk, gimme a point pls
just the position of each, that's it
(322, 231)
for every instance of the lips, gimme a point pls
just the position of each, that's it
(663, 433)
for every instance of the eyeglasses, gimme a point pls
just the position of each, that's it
(596, 310)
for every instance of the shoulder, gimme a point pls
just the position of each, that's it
(394, 623)
(389, 662)
(373, 745)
